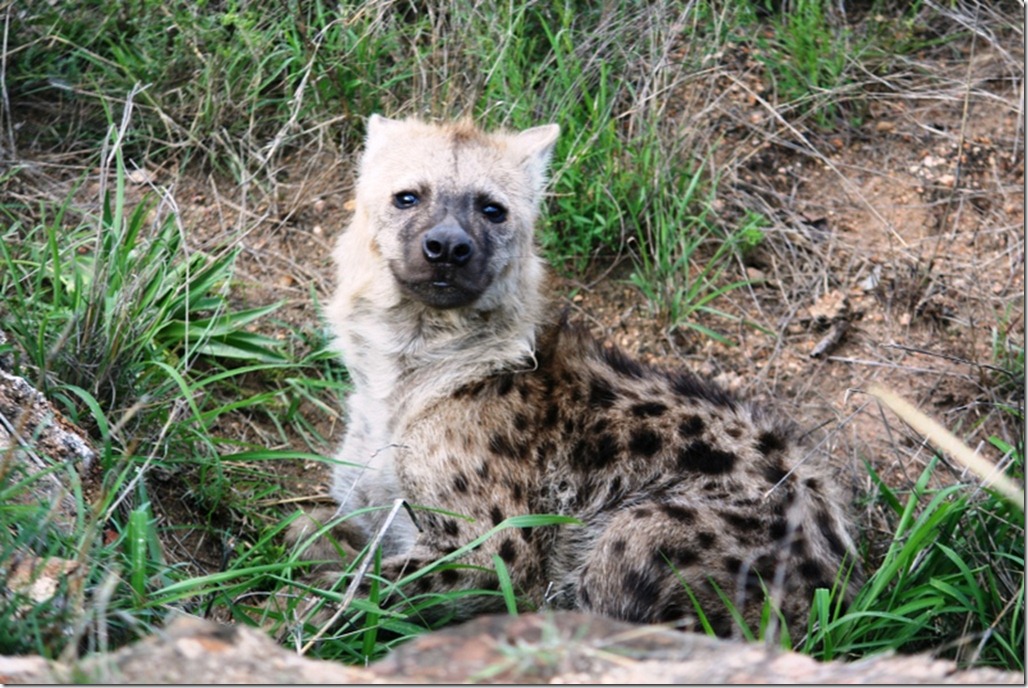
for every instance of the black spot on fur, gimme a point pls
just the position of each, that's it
(648, 409)
(501, 445)
(691, 387)
(549, 384)
(520, 422)
(596, 454)
(774, 472)
(706, 539)
(551, 417)
(679, 513)
(824, 524)
(742, 524)
(735, 432)
(702, 458)
(813, 484)
(770, 442)
(779, 528)
(672, 612)
(526, 534)
(601, 394)
(690, 426)
(450, 527)
(449, 576)
(645, 442)
(641, 512)
(676, 556)
(618, 546)
(643, 591)
(732, 565)
(518, 492)
(504, 384)
(460, 483)
(496, 515)
(606, 450)
(720, 622)
(508, 552)
(614, 489)
(811, 570)
(483, 470)
(622, 364)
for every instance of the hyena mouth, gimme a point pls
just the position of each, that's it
(442, 288)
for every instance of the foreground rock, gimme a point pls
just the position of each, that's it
(564, 647)
(34, 438)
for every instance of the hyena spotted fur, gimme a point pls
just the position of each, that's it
(472, 395)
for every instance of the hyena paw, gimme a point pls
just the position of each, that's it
(333, 547)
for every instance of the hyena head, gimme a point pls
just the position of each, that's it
(452, 208)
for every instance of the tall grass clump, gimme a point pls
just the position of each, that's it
(135, 338)
(951, 581)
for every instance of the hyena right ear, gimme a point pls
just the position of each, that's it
(535, 145)
(378, 132)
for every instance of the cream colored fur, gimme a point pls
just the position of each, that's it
(385, 337)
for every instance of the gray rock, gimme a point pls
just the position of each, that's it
(36, 436)
(565, 647)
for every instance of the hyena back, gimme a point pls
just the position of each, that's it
(473, 396)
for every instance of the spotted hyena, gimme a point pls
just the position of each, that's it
(474, 397)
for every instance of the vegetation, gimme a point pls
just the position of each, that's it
(197, 400)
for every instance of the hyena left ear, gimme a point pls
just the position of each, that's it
(378, 132)
(535, 146)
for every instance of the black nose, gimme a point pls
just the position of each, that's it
(447, 243)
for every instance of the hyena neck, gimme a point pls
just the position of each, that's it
(416, 352)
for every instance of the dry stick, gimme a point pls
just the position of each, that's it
(951, 444)
(8, 115)
(351, 591)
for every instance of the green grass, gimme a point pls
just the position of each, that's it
(952, 578)
(137, 341)
(138, 338)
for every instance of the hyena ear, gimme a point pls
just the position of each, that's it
(535, 146)
(378, 131)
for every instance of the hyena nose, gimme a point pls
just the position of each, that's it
(447, 243)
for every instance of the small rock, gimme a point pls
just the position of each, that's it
(140, 176)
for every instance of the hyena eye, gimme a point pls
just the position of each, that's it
(494, 212)
(405, 199)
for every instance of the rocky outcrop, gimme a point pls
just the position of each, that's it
(564, 647)
(34, 437)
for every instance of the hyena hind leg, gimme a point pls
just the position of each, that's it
(648, 555)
